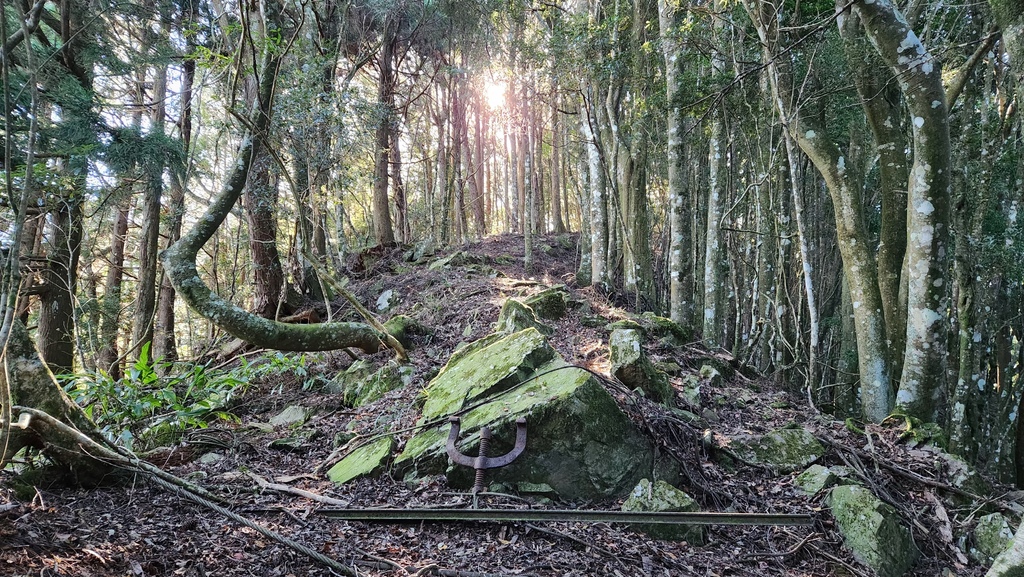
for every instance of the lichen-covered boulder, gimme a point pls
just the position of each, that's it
(515, 317)
(365, 461)
(992, 536)
(815, 479)
(873, 531)
(782, 450)
(662, 497)
(550, 303)
(578, 440)
(631, 366)
(711, 375)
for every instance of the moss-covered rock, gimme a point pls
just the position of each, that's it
(578, 440)
(815, 479)
(515, 317)
(669, 331)
(711, 375)
(662, 497)
(1010, 563)
(782, 450)
(365, 461)
(960, 474)
(549, 303)
(873, 531)
(460, 258)
(403, 328)
(631, 366)
(992, 536)
(624, 324)
(485, 371)
(363, 386)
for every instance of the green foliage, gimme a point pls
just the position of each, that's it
(151, 402)
(277, 365)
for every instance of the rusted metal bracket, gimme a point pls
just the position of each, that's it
(482, 462)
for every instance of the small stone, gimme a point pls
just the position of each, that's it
(658, 497)
(291, 416)
(210, 458)
(815, 479)
(992, 536)
(387, 300)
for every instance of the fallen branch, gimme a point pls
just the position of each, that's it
(277, 487)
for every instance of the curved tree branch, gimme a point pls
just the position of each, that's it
(179, 260)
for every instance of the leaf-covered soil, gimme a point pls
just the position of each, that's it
(136, 528)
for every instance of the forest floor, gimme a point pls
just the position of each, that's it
(139, 529)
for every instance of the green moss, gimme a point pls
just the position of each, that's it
(631, 366)
(516, 316)
(578, 441)
(816, 478)
(364, 461)
(669, 331)
(872, 530)
(362, 387)
(992, 536)
(549, 303)
(784, 450)
(484, 372)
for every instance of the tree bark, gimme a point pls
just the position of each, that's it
(851, 231)
(383, 233)
(149, 244)
(920, 77)
(680, 281)
(110, 306)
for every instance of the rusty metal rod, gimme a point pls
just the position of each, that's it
(565, 515)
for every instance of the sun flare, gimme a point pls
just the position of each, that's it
(494, 92)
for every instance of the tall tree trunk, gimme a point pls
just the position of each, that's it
(670, 17)
(529, 187)
(479, 168)
(596, 194)
(383, 233)
(920, 77)
(149, 243)
(880, 100)
(110, 307)
(401, 202)
(260, 202)
(56, 332)
(858, 262)
(164, 338)
(558, 221)
(714, 257)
